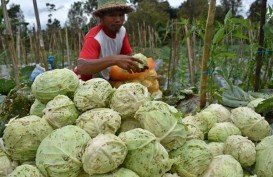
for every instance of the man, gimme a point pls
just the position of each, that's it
(107, 44)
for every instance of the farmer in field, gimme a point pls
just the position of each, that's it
(107, 43)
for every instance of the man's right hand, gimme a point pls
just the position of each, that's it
(128, 63)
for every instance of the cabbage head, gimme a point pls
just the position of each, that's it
(216, 148)
(164, 121)
(54, 82)
(146, 156)
(128, 124)
(128, 97)
(222, 130)
(194, 131)
(204, 120)
(6, 164)
(37, 108)
(120, 172)
(264, 157)
(99, 120)
(242, 149)
(103, 154)
(251, 124)
(26, 171)
(193, 157)
(94, 93)
(143, 58)
(170, 175)
(224, 165)
(60, 111)
(60, 153)
(22, 137)
(221, 112)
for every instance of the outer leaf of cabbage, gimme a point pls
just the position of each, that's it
(170, 175)
(54, 82)
(204, 120)
(103, 154)
(194, 131)
(6, 164)
(99, 120)
(60, 111)
(264, 158)
(60, 153)
(22, 137)
(120, 172)
(143, 58)
(193, 158)
(26, 171)
(149, 159)
(128, 98)
(164, 122)
(37, 108)
(224, 165)
(221, 112)
(94, 93)
(128, 124)
(222, 130)
(216, 148)
(242, 149)
(251, 124)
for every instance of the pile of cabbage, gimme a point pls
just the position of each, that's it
(89, 129)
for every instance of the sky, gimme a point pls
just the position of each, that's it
(63, 6)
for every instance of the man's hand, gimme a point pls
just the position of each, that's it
(128, 63)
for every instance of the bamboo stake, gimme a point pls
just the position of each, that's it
(261, 49)
(190, 59)
(67, 46)
(40, 36)
(18, 41)
(206, 53)
(11, 43)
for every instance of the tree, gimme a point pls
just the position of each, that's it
(193, 9)
(254, 11)
(234, 5)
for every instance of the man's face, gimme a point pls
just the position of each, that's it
(113, 21)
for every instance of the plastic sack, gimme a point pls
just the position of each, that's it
(37, 70)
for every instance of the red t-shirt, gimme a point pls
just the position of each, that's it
(97, 44)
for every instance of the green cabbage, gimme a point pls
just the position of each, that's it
(242, 149)
(193, 158)
(221, 112)
(60, 153)
(26, 171)
(60, 111)
(6, 164)
(37, 108)
(94, 93)
(251, 124)
(22, 137)
(222, 130)
(103, 154)
(216, 148)
(146, 156)
(264, 158)
(128, 97)
(54, 82)
(164, 121)
(120, 172)
(143, 58)
(99, 120)
(224, 165)
(204, 120)
(128, 124)
(194, 131)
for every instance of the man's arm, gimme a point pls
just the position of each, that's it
(89, 67)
